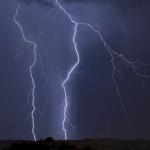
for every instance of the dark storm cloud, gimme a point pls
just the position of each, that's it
(107, 1)
(121, 5)
(45, 3)
(80, 1)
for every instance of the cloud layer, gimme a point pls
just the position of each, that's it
(45, 3)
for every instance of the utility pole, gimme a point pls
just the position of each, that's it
(107, 128)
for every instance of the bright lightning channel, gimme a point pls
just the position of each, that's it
(114, 55)
(71, 70)
(31, 67)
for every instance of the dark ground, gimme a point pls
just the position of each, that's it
(91, 144)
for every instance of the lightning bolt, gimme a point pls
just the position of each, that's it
(114, 55)
(72, 69)
(31, 67)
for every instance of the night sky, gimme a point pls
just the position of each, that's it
(93, 101)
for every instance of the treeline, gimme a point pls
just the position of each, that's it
(50, 144)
